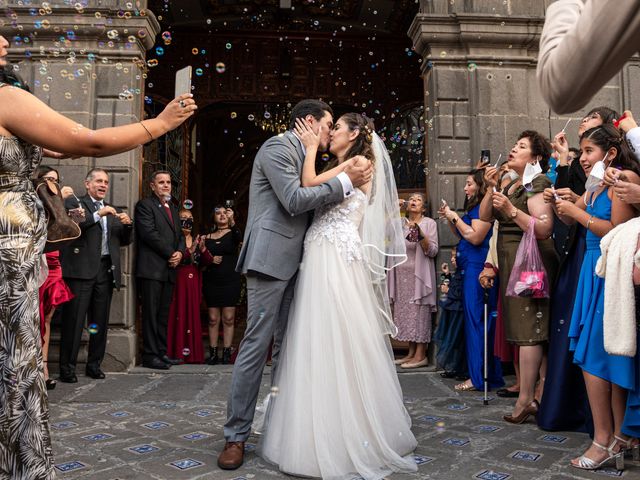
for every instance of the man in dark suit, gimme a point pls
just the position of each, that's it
(160, 243)
(91, 268)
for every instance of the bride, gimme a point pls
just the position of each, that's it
(336, 408)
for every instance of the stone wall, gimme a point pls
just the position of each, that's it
(480, 87)
(87, 63)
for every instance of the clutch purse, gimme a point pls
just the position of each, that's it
(61, 230)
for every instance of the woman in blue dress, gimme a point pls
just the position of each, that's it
(607, 377)
(472, 251)
(564, 405)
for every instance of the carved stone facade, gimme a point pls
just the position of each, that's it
(480, 88)
(86, 64)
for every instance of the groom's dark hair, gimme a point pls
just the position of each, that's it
(317, 108)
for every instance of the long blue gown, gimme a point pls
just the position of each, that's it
(586, 336)
(564, 405)
(470, 259)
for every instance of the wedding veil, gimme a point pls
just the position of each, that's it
(381, 230)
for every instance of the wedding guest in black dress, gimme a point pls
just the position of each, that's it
(221, 282)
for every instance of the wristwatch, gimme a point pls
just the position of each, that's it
(514, 212)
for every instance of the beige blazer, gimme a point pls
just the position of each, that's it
(584, 43)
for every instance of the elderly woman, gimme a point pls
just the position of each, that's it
(412, 285)
(526, 319)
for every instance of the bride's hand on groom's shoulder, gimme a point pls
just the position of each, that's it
(307, 136)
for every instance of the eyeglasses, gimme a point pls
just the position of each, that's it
(50, 179)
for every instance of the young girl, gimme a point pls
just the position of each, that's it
(606, 376)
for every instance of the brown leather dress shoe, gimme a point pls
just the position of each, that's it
(231, 456)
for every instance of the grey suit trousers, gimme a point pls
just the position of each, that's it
(268, 302)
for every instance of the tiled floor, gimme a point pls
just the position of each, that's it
(144, 425)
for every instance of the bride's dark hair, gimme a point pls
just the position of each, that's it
(362, 143)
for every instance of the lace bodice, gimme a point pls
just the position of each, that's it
(339, 224)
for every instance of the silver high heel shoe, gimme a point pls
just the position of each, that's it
(628, 448)
(585, 463)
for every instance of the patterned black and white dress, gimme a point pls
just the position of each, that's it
(25, 443)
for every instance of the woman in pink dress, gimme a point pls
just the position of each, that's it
(184, 333)
(412, 285)
(54, 291)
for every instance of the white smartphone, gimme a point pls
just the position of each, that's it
(183, 81)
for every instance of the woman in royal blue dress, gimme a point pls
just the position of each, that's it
(607, 377)
(472, 251)
(564, 405)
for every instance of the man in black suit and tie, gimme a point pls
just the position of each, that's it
(91, 268)
(159, 244)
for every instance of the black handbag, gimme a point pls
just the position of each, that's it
(61, 230)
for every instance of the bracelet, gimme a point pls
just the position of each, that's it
(589, 222)
(147, 130)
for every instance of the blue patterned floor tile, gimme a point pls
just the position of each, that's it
(203, 413)
(458, 407)
(156, 425)
(120, 414)
(70, 466)
(185, 464)
(142, 449)
(429, 419)
(422, 460)
(195, 436)
(610, 472)
(491, 475)
(553, 438)
(486, 428)
(526, 456)
(456, 442)
(64, 425)
(96, 437)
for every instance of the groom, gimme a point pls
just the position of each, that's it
(279, 210)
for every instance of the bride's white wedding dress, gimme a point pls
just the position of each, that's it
(336, 410)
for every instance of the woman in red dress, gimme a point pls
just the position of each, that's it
(53, 292)
(184, 336)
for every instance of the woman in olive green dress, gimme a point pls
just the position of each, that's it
(526, 319)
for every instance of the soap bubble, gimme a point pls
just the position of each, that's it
(220, 67)
(228, 46)
(92, 328)
(159, 51)
(187, 204)
(186, 352)
(199, 72)
(194, 51)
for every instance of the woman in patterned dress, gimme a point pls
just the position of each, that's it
(25, 123)
(412, 286)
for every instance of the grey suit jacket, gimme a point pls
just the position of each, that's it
(584, 43)
(279, 209)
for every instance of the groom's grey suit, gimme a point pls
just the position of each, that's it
(278, 219)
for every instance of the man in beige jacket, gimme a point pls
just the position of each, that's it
(584, 44)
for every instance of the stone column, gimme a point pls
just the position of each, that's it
(480, 88)
(88, 62)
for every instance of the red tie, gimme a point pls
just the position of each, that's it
(166, 207)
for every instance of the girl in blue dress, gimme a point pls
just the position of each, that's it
(472, 251)
(607, 377)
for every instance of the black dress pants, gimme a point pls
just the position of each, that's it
(92, 302)
(156, 299)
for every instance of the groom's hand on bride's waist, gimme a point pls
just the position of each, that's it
(359, 171)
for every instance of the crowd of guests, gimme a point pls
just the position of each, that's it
(174, 270)
(575, 348)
